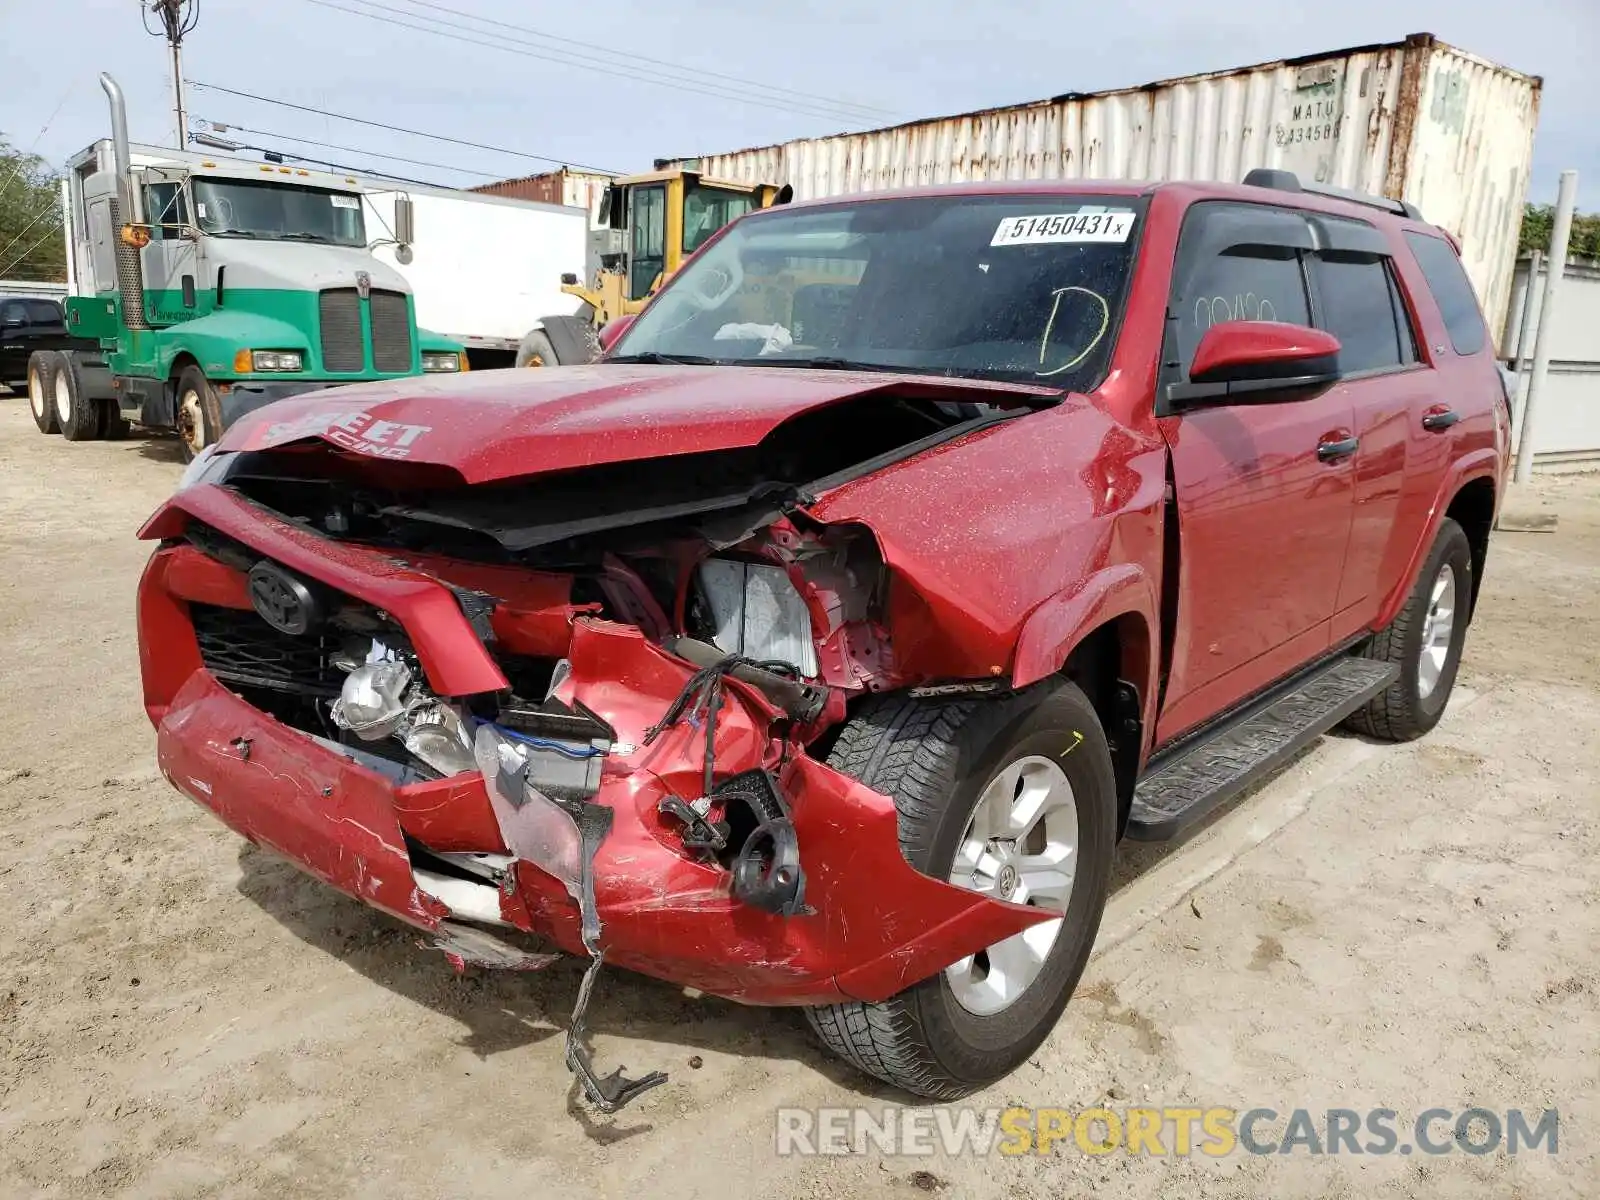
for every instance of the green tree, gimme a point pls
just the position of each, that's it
(31, 246)
(1537, 220)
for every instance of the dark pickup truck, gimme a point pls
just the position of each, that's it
(28, 323)
(33, 332)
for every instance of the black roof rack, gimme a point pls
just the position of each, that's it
(1288, 181)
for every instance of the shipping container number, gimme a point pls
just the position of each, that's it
(1288, 136)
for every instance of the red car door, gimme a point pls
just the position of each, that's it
(1354, 284)
(1263, 489)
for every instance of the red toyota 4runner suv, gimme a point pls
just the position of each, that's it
(818, 645)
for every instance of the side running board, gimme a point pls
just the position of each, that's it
(1183, 785)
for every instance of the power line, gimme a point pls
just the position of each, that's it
(25, 155)
(568, 59)
(37, 217)
(23, 257)
(229, 126)
(631, 59)
(274, 155)
(438, 137)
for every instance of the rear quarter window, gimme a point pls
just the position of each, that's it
(1452, 291)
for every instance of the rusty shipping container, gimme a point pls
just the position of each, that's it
(1417, 120)
(566, 186)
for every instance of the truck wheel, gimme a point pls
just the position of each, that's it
(76, 413)
(1425, 641)
(536, 351)
(198, 412)
(1014, 798)
(41, 390)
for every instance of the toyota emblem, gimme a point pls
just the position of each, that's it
(282, 601)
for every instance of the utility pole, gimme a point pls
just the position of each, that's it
(177, 18)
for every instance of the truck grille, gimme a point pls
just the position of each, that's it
(391, 332)
(340, 310)
(239, 647)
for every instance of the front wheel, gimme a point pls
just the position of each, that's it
(1014, 798)
(198, 412)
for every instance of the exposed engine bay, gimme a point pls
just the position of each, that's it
(558, 671)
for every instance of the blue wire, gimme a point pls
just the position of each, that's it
(540, 743)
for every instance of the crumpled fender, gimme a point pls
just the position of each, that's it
(1053, 629)
(872, 925)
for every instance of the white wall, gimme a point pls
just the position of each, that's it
(1568, 432)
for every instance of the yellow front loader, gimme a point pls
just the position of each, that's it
(651, 223)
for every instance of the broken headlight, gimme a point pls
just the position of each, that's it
(756, 611)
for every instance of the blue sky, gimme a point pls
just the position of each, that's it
(901, 60)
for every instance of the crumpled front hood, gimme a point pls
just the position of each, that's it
(508, 423)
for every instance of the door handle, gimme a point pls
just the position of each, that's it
(1334, 451)
(1435, 421)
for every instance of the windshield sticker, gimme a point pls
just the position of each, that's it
(345, 201)
(201, 209)
(1064, 227)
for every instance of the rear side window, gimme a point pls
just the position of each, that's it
(1451, 289)
(1357, 307)
(44, 312)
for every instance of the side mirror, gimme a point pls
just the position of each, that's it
(405, 221)
(614, 329)
(1241, 360)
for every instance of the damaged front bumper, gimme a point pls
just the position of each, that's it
(870, 926)
(654, 896)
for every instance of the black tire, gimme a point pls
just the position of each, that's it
(76, 413)
(1402, 712)
(935, 758)
(201, 425)
(42, 390)
(536, 350)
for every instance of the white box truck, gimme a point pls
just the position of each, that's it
(490, 269)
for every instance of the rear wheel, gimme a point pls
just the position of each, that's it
(1013, 798)
(76, 413)
(1425, 641)
(42, 390)
(198, 412)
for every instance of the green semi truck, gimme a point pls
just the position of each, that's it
(206, 288)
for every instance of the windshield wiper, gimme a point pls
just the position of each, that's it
(672, 360)
(833, 364)
(298, 236)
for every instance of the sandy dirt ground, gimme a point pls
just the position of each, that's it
(181, 1015)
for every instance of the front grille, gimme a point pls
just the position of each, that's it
(391, 331)
(237, 646)
(340, 310)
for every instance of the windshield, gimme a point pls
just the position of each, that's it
(1016, 287)
(283, 211)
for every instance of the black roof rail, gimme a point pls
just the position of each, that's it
(1288, 181)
